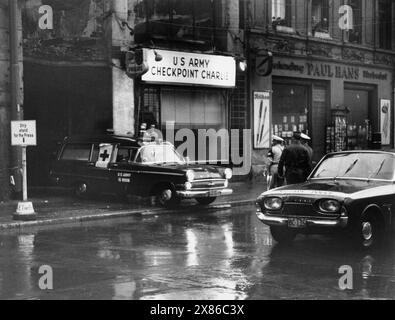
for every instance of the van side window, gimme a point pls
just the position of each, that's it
(126, 154)
(76, 152)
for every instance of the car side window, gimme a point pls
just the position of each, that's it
(77, 152)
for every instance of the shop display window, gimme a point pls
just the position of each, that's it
(290, 110)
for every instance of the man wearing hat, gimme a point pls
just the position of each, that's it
(305, 142)
(296, 161)
(274, 158)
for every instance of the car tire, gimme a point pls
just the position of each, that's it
(369, 232)
(282, 234)
(81, 189)
(167, 198)
(206, 201)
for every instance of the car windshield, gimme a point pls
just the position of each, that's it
(370, 166)
(159, 154)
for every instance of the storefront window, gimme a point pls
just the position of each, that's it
(282, 13)
(320, 16)
(290, 109)
(385, 24)
(174, 19)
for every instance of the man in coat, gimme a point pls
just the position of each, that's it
(296, 161)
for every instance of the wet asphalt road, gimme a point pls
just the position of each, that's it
(224, 254)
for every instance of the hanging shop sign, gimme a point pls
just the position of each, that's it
(262, 120)
(183, 68)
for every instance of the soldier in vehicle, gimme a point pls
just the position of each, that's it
(296, 161)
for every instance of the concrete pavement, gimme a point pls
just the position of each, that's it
(58, 206)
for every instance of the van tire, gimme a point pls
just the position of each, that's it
(81, 189)
(206, 201)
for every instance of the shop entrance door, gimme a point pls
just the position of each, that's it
(195, 109)
(360, 117)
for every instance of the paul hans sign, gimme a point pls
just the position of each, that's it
(328, 70)
(184, 68)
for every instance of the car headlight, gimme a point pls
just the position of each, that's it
(190, 175)
(330, 206)
(273, 203)
(228, 173)
(188, 186)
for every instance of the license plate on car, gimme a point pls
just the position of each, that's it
(296, 223)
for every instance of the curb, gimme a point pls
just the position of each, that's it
(110, 215)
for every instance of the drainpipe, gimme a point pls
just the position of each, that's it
(15, 84)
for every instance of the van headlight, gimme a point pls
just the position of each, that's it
(228, 173)
(190, 175)
(273, 203)
(329, 206)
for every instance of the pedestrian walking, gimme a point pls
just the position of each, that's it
(296, 161)
(274, 157)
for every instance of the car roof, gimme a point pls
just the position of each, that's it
(363, 152)
(105, 138)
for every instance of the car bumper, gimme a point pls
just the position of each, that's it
(272, 221)
(204, 194)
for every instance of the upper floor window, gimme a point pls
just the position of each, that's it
(355, 34)
(320, 16)
(174, 19)
(282, 13)
(385, 24)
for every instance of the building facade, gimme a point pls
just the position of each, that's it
(333, 70)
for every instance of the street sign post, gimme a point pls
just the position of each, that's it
(23, 134)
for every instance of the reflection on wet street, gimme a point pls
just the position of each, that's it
(209, 255)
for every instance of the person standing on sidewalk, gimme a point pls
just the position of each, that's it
(296, 161)
(305, 142)
(274, 157)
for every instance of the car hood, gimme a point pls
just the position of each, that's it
(201, 171)
(332, 186)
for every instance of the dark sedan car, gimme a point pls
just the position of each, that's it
(123, 165)
(352, 192)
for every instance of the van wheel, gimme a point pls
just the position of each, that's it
(81, 189)
(282, 235)
(206, 201)
(167, 198)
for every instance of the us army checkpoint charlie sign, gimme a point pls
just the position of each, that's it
(23, 133)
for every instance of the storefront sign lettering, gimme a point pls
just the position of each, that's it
(184, 68)
(375, 75)
(329, 71)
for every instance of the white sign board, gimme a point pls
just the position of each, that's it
(185, 68)
(262, 120)
(23, 133)
(385, 111)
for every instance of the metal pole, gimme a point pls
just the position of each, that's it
(15, 81)
(24, 170)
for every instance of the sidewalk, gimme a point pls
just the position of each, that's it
(58, 206)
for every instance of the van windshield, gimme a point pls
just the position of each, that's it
(159, 154)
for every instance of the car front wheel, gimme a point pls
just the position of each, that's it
(168, 198)
(369, 232)
(206, 201)
(282, 235)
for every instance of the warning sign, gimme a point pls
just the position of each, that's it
(23, 133)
